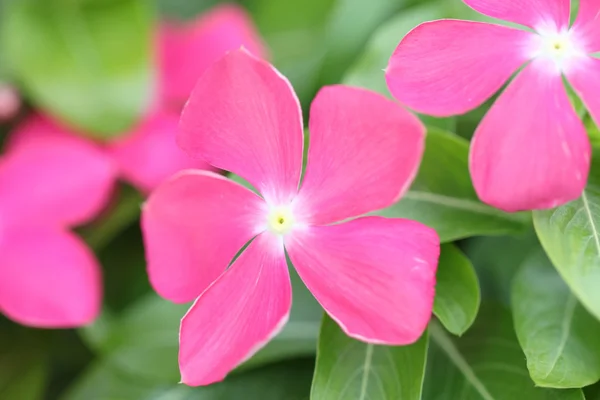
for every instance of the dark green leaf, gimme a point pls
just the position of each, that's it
(457, 294)
(348, 369)
(559, 337)
(442, 195)
(485, 364)
(570, 234)
(88, 63)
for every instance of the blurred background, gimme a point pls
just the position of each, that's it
(114, 74)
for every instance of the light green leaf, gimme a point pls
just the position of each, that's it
(442, 195)
(559, 337)
(457, 294)
(144, 341)
(570, 234)
(485, 364)
(348, 369)
(87, 63)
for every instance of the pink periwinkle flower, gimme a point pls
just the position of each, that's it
(148, 154)
(531, 150)
(50, 182)
(375, 276)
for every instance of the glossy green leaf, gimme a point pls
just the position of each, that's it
(457, 294)
(144, 340)
(561, 340)
(289, 380)
(485, 364)
(88, 63)
(570, 234)
(442, 195)
(348, 369)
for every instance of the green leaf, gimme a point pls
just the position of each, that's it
(485, 364)
(290, 381)
(144, 340)
(87, 63)
(570, 234)
(23, 366)
(457, 294)
(442, 195)
(348, 369)
(559, 337)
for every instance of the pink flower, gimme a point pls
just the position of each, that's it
(148, 155)
(50, 182)
(531, 150)
(374, 276)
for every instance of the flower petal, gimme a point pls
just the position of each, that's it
(449, 67)
(587, 25)
(364, 152)
(149, 155)
(48, 278)
(244, 117)
(193, 226)
(186, 51)
(51, 176)
(537, 14)
(237, 315)
(584, 76)
(374, 276)
(531, 150)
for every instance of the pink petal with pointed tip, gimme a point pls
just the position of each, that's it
(374, 276)
(244, 117)
(149, 155)
(237, 315)
(193, 226)
(531, 150)
(537, 14)
(584, 77)
(449, 67)
(186, 51)
(364, 152)
(48, 278)
(587, 25)
(50, 176)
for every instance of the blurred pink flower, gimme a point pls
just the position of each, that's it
(50, 181)
(375, 276)
(10, 102)
(148, 155)
(531, 150)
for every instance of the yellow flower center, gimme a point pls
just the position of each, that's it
(280, 220)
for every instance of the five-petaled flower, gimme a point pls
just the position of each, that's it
(375, 276)
(50, 181)
(531, 150)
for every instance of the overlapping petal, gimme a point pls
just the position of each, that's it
(48, 278)
(237, 315)
(244, 117)
(193, 225)
(364, 152)
(587, 25)
(537, 14)
(186, 51)
(374, 276)
(449, 67)
(50, 176)
(149, 154)
(531, 150)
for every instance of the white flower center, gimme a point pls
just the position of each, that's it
(280, 220)
(558, 47)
